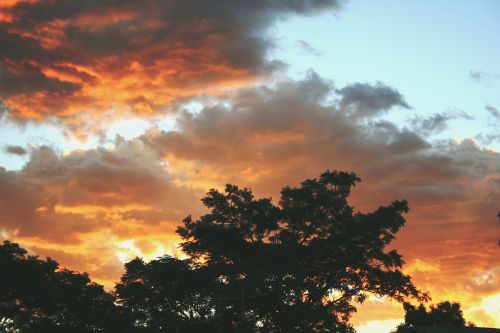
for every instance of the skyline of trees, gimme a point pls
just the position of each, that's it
(300, 265)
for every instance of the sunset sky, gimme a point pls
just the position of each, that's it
(116, 117)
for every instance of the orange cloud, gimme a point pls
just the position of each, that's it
(95, 209)
(63, 59)
(267, 137)
(81, 208)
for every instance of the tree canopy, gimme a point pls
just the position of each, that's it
(168, 295)
(298, 266)
(251, 265)
(445, 314)
(36, 296)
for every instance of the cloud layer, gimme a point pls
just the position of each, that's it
(127, 200)
(68, 206)
(61, 58)
(83, 62)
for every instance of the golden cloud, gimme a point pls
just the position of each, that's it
(62, 58)
(95, 209)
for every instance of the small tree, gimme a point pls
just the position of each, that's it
(169, 295)
(448, 314)
(37, 296)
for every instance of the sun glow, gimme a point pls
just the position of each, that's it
(378, 326)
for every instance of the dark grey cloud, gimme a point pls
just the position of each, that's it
(482, 76)
(130, 175)
(487, 139)
(86, 202)
(30, 14)
(291, 131)
(28, 79)
(20, 47)
(266, 137)
(479, 75)
(160, 49)
(308, 48)
(367, 100)
(262, 137)
(15, 150)
(295, 124)
(493, 112)
(437, 122)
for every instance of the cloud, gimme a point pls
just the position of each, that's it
(366, 100)
(437, 122)
(15, 150)
(487, 139)
(493, 112)
(62, 58)
(292, 123)
(478, 75)
(66, 205)
(482, 76)
(267, 137)
(28, 79)
(308, 48)
(124, 201)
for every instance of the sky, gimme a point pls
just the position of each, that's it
(117, 116)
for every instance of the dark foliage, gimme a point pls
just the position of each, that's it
(445, 314)
(37, 296)
(252, 266)
(301, 264)
(169, 295)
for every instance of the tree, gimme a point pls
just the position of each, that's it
(168, 295)
(446, 313)
(252, 265)
(37, 296)
(298, 266)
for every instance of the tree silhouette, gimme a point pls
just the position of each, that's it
(36, 296)
(168, 295)
(300, 264)
(446, 313)
(252, 266)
